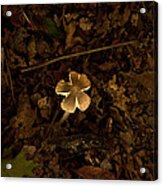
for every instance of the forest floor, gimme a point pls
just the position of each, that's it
(115, 136)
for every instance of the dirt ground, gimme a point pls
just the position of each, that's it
(113, 46)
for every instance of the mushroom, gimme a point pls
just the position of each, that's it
(75, 97)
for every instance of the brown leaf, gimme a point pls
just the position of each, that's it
(85, 24)
(126, 15)
(71, 40)
(25, 118)
(91, 172)
(109, 66)
(44, 105)
(25, 114)
(31, 48)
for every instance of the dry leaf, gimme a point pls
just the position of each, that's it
(85, 24)
(107, 66)
(71, 40)
(26, 115)
(91, 172)
(44, 105)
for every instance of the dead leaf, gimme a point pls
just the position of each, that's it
(26, 115)
(71, 40)
(107, 66)
(134, 19)
(85, 24)
(25, 118)
(91, 172)
(32, 47)
(29, 150)
(69, 17)
(44, 105)
(118, 94)
(126, 15)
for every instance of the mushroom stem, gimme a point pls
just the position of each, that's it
(64, 117)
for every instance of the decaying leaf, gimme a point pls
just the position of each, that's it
(71, 16)
(26, 115)
(53, 30)
(44, 105)
(85, 24)
(108, 66)
(71, 40)
(91, 172)
(134, 19)
(20, 166)
(32, 48)
(118, 94)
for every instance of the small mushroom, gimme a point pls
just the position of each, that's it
(75, 97)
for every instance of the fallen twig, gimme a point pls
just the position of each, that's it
(77, 54)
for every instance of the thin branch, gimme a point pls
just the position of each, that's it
(78, 54)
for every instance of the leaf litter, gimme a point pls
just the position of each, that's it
(114, 137)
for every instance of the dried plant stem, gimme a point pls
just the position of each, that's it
(28, 20)
(26, 17)
(78, 54)
(11, 83)
(64, 117)
(52, 123)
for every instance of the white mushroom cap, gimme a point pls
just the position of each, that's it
(74, 92)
